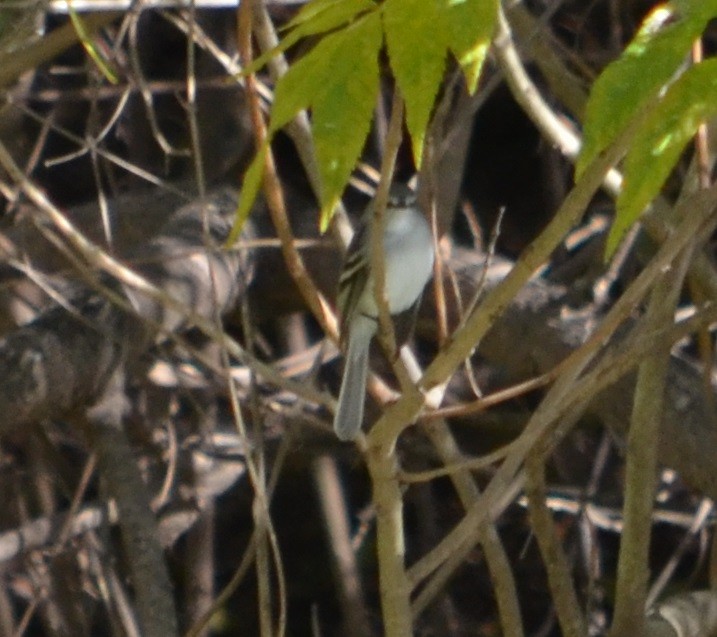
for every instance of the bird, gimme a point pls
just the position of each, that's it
(408, 259)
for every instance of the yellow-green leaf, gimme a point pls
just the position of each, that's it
(631, 83)
(660, 140)
(315, 18)
(296, 89)
(417, 37)
(339, 80)
(326, 12)
(343, 109)
(471, 24)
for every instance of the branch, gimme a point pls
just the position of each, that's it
(153, 590)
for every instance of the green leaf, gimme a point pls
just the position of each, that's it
(296, 89)
(253, 178)
(341, 119)
(660, 140)
(471, 24)
(417, 37)
(419, 34)
(315, 18)
(342, 111)
(339, 80)
(339, 13)
(326, 11)
(649, 63)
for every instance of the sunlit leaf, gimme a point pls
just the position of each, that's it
(305, 77)
(334, 120)
(417, 37)
(339, 80)
(634, 81)
(330, 15)
(471, 24)
(333, 17)
(660, 140)
(343, 110)
(323, 11)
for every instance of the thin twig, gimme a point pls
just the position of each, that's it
(250, 551)
(267, 546)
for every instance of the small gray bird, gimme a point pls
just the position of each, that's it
(408, 248)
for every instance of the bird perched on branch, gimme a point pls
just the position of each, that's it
(408, 258)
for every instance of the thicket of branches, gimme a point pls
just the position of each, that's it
(538, 460)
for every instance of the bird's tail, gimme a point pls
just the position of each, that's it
(349, 412)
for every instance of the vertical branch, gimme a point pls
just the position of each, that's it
(194, 134)
(266, 541)
(118, 467)
(702, 164)
(263, 568)
(641, 466)
(272, 186)
(702, 145)
(394, 585)
(377, 258)
(563, 592)
(381, 459)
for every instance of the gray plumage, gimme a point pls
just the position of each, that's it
(408, 247)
